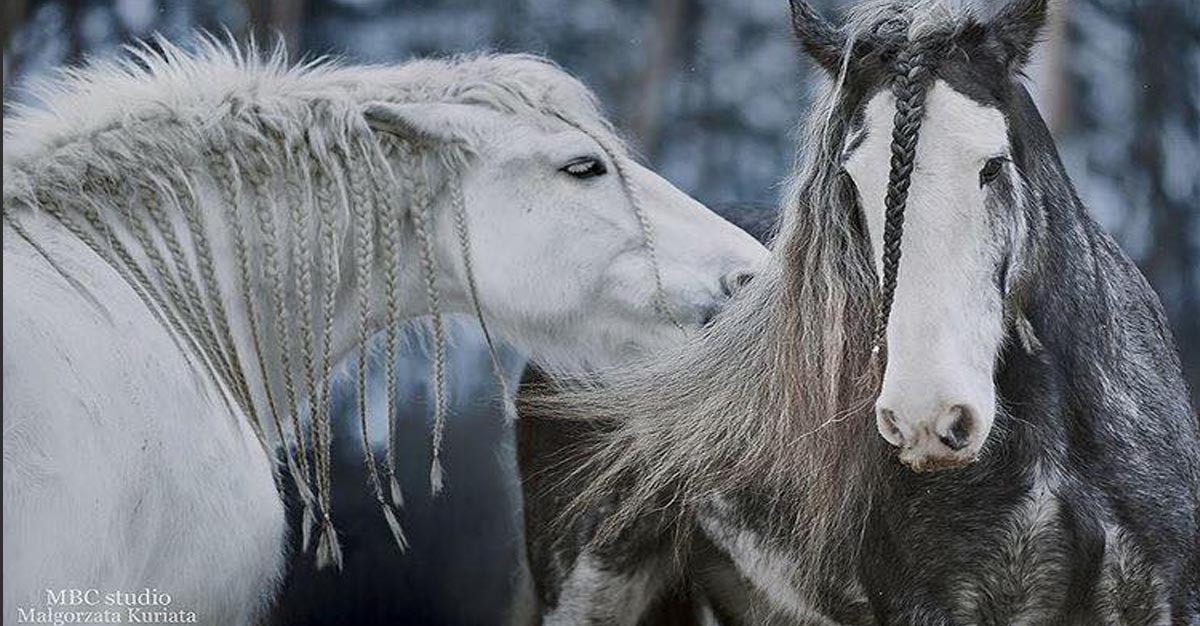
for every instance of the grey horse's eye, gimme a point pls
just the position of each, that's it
(585, 167)
(991, 170)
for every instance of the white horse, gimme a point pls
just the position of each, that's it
(192, 241)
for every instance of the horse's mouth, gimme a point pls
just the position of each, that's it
(929, 465)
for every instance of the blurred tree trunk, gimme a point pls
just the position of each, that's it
(13, 16)
(646, 102)
(1047, 70)
(1168, 113)
(271, 19)
(74, 32)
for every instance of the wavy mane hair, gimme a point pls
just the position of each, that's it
(772, 405)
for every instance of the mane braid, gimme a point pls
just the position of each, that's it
(229, 181)
(391, 189)
(265, 209)
(201, 321)
(299, 194)
(464, 244)
(422, 220)
(339, 194)
(364, 224)
(174, 299)
(114, 252)
(195, 220)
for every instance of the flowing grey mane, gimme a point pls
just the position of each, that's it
(146, 158)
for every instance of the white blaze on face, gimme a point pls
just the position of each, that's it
(938, 398)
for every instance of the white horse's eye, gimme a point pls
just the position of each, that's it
(585, 167)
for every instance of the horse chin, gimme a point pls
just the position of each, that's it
(922, 464)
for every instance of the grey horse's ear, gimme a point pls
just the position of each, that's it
(817, 37)
(1016, 27)
(434, 123)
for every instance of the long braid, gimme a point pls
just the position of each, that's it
(913, 75)
(330, 197)
(328, 188)
(208, 275)
(300, 198)
(464, 243)
(301, 203)
(200, 321)
(175, 302)
(266, 209)
(392, 194)
(229, 182)
(118, 256)
(422, 211)
(366, 219)
(110, 250)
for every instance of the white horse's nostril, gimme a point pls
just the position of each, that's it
(735, 280)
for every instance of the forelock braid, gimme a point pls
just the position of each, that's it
(911, 80)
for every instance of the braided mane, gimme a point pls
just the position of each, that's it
(155, 160)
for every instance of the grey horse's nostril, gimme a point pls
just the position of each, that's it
(958, 435)
(735, 280)
(891, 432)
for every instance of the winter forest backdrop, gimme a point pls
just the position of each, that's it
(708, 91)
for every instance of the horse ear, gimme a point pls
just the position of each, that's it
(817, 37)
(1016, 27)
(435, 123)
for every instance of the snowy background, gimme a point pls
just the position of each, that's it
(708, 91)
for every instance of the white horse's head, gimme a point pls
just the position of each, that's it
(582, 257)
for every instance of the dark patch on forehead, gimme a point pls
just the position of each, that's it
(975, 75)
(964, 60)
